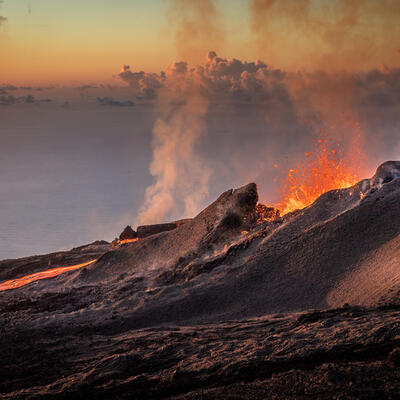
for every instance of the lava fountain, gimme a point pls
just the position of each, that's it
(325, 168)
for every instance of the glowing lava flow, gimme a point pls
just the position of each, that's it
(127, 241)
(49, 273)
(324, 169)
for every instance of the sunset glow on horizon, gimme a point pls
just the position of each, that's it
(53, 42)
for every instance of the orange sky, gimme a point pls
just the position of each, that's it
(57, 42)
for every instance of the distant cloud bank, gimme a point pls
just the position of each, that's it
(109, 101)
(8, 100)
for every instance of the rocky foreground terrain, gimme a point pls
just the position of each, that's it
(236, 303)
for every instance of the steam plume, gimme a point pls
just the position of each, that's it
(281, 114)
(181, 174)
(2, 19)
(199, 24)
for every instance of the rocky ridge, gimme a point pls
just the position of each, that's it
(225, 305)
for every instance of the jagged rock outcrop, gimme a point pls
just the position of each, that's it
(386, 172)
(220, 222)
(128, 233)
(307, 259)
(148, 230)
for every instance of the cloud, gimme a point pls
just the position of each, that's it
(218, 79)
(3, 20)
(85, 87)
(8, 100)
(185, 96)
(109, 101)
(9, 87)
(333, 35)
(146, 84)
(281, 113)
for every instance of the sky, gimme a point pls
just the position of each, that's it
(54, 41)
(65, 42)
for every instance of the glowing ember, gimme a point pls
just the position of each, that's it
(49, 273)
(116, 242)
(264, 213)
(127, 241)
(324, 169)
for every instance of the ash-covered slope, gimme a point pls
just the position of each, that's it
(225, 263)
(169, 316)
(222, 264)
(12, 269)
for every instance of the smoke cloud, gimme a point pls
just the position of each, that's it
(336, 35)
(181, 174)
(2, 19)
(199, 24)
(272, 117)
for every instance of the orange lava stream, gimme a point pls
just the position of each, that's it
(323, 170)
(128, 241)
(49, 273)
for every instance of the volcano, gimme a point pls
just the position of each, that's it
(238, 302)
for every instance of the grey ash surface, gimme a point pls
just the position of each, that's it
(304, 306)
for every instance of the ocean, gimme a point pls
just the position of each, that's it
(69, 176)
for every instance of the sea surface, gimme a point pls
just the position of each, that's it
(70, 176)
(73, 174)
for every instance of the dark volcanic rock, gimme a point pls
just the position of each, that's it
(335, 355)
(191, 239)
(386, 172)
(310, 259)
(128, 233)
(191, 313)
(148, 230)
(12, 269)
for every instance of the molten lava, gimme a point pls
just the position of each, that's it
(266, 214)
(127, 241)
(49, 273)
(324, 169)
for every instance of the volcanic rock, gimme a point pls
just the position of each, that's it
(386, 172)
(264, 213)
(128, 233)
(311, 259)
(181, 221)
(212, 228)
(12, 269)
(148, 230)
(221, 307)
